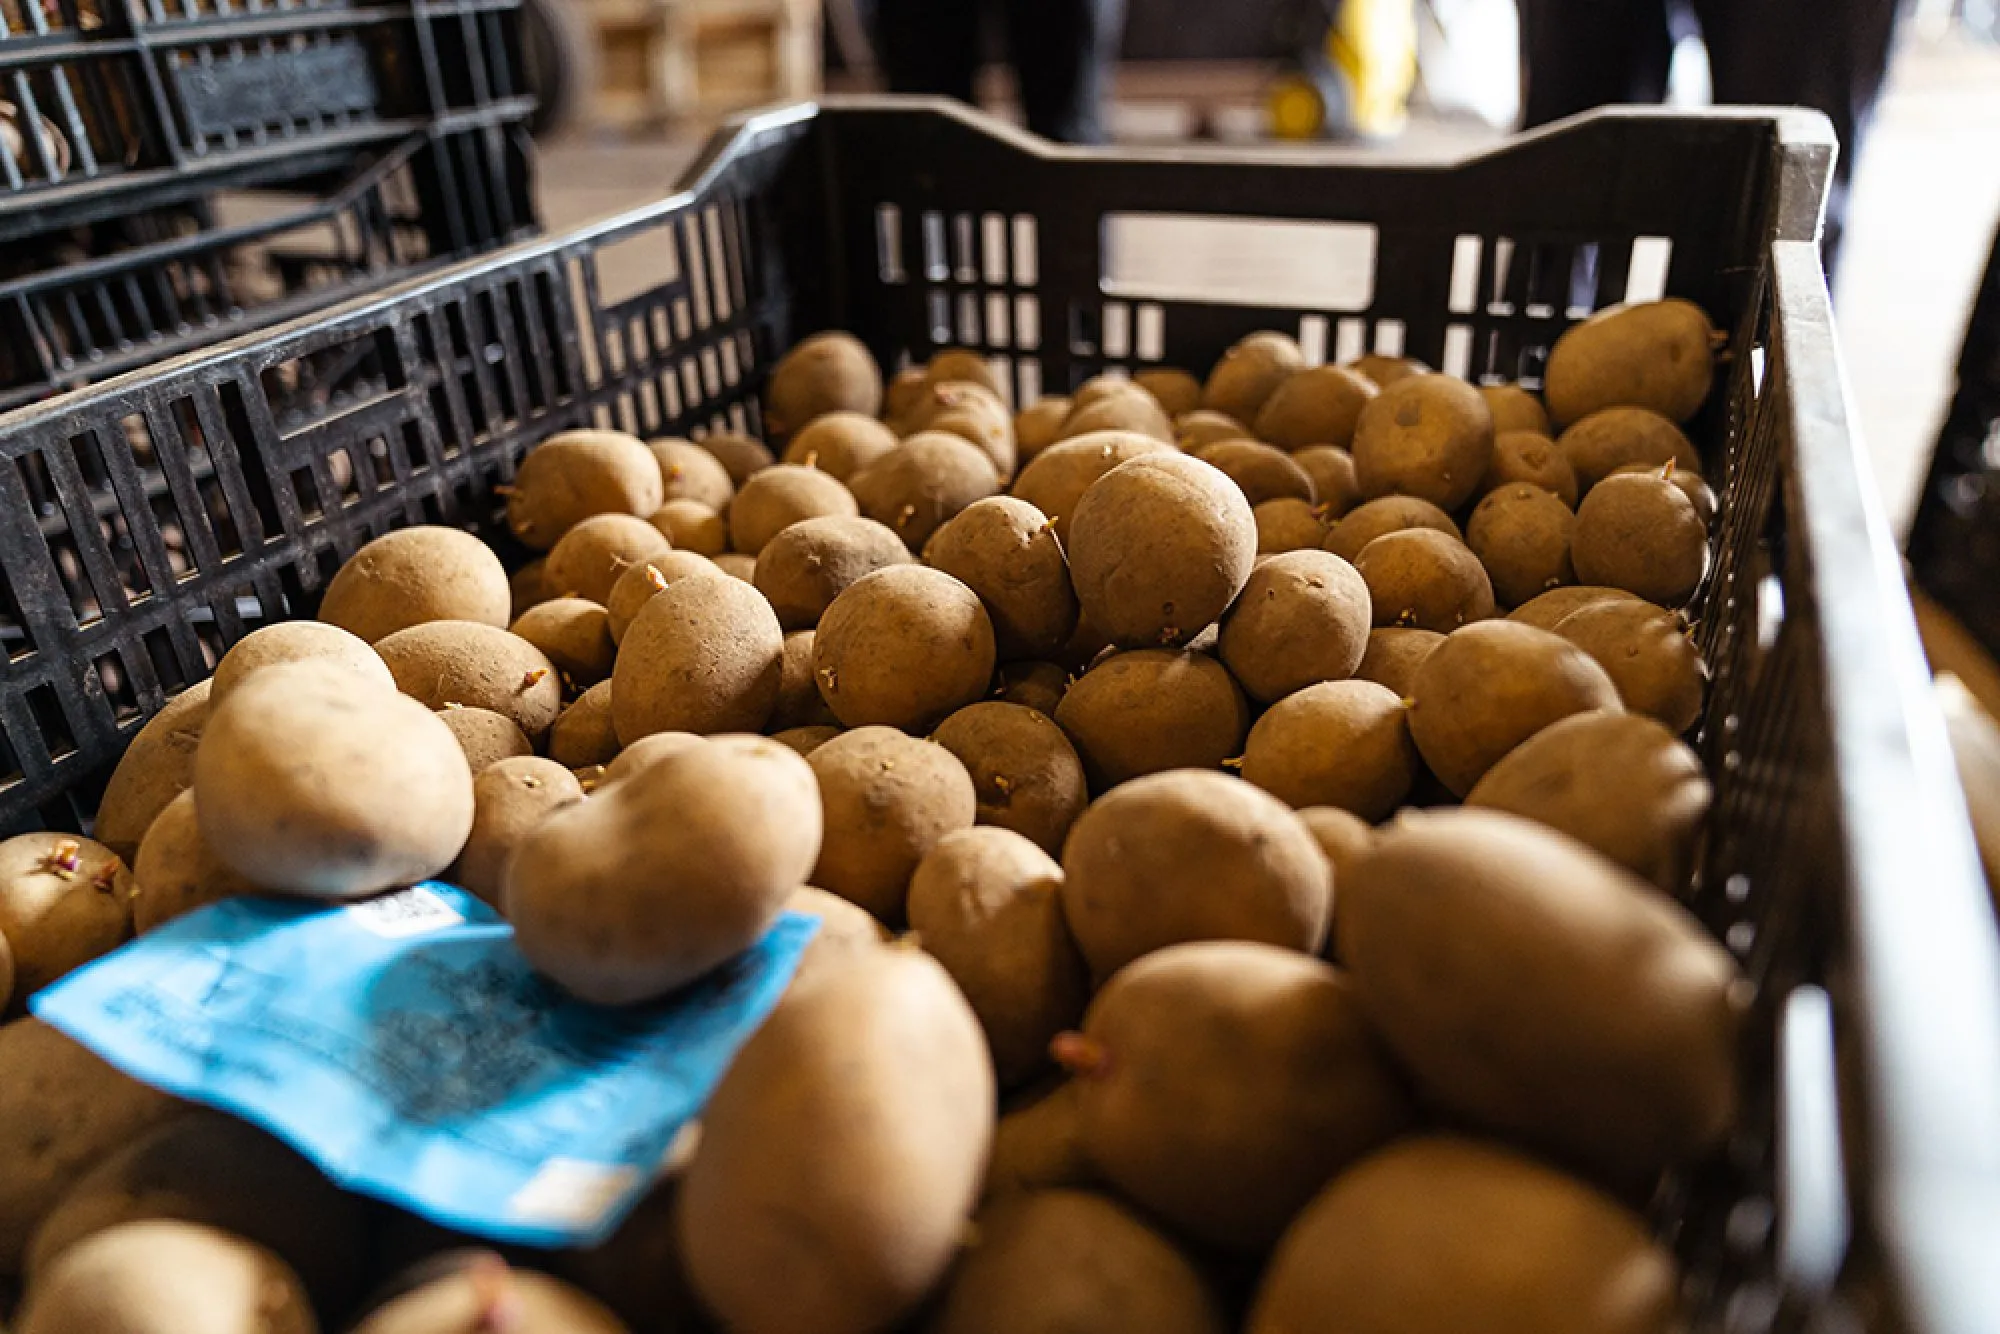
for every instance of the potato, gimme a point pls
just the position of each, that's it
(651, 884)
(1489, 687)
(805, 567)
(1531, 457)
(1601, 1023)
(1087, 646)
(1287, 525)
(1125, 407)
(1037, 685)
(1159, 548)
(705, 655)
(1331, 468)
(457, 662)
(1025, 773)
(1260, 472)
(1606, 441)
(6, 973)
(806, 740)
(585, 732)
(1429, 436)
(416, 575)
(985, 904)
(1618, 783)
(176, 871)
(1515, 409)
(888, 799)
(1038, 1143)
(1647, 654)
(1223, 1082)
(1068, 1260)
(1426, 579)
(960, 363)
(480, 1293)
(828, 372)
(1250, 372)
(588, 559)
(740, 456)
(1302, 617)
(1057, 478)
(296, 790)
(736, 565)
(1190, 855)
(1378, 518)
(1438, 1234)
(1698, 492)
(1039, 426)
(1173, 388)
(574, 634)
(61, 1110)
(64, 900)
(904, 646)
(1521, 534)
(527, 586)
(973, 413)
(1384, 370)
(292, 641)
(922, 482)
(845, 928)
(571, 476)
(846, 1229)
(164, 1277)
(637, 586)
(1338, 743)
(509, 799)
(1656, 354)
(690, 525)
(689, 471)
(839, 444)
(156, 767)
(224, 1173)
(1201, 427)
(1319, 406)
(779, 497)
(1395, 653)
(1640, 532)
(637, 1271)
(799, 704)
(1149, 710)
(1342, 835)
(1548, 610)
(647, 749)
(1005, 550)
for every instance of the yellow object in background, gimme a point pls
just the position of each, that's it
(1374, 46)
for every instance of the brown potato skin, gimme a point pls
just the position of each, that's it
(161, 1275)
(1491, 686)
(799, 704)
(806, 740)
(1038, 1143)
(290, 641)
(690, 525)
(1318, 406)
(1395, 653)
(1384, 370)
(64, 900)
(458, 662)
(1640, 532)
(1173, 388)
(1261, 472)
(1335, 490)
(415, 575)
(689, 471)
(1273, 1049)
(1149, 710)
(156, 767)
(573, 475)
(588, 559)
(1521, 534)
(1338, 743)
(706, 655)
(177, 872)
(1429, 436)
(574, 634)
(972, 412)
(508, 800)
(1250, 372)
(1025, 772)
(1603, 442)
(1515, 409)
(1201, 427)
(1037, 685)
(1618, 783)
(1057, 478)
(846, 1229)
(1121, 406)
(1342, 835)
(485, 736)
(924, 481)
(1546, 611)
(741, 458)
(462, 1297)
(1699, 493)
(1351, 534)
(1038, 427)
(781, 496)
(1190, 855)
(1656, 354)
(636, 587)
(1648, 654)
(1424, 579)
(1005, 550)
(1534, 458)
(903, 646)
(646, 750)
(1287, 525)
(888, 799)
(1602, 1026)
(584, 733)
(1438, 1234)
(1303, 617)
(828, 372)
(986, 904)
(805, 567)
(840, 444)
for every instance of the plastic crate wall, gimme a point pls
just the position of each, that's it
(1833, 869)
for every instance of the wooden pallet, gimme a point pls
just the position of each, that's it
(677, 61)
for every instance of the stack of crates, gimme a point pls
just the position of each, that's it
(174, 172)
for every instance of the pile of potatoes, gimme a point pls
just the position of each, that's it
(1246, 820)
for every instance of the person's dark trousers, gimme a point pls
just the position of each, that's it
(1826, 54)
(1061, 51)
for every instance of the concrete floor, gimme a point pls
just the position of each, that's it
(1920, 226)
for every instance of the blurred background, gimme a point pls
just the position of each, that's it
(642, 82)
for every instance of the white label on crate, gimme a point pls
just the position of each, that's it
(411, 912)
(1239, 261)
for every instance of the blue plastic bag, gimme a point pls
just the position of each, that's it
(404, 1045)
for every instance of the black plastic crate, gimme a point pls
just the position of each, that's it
(117, 105)
(130, 291)
(147, 522)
